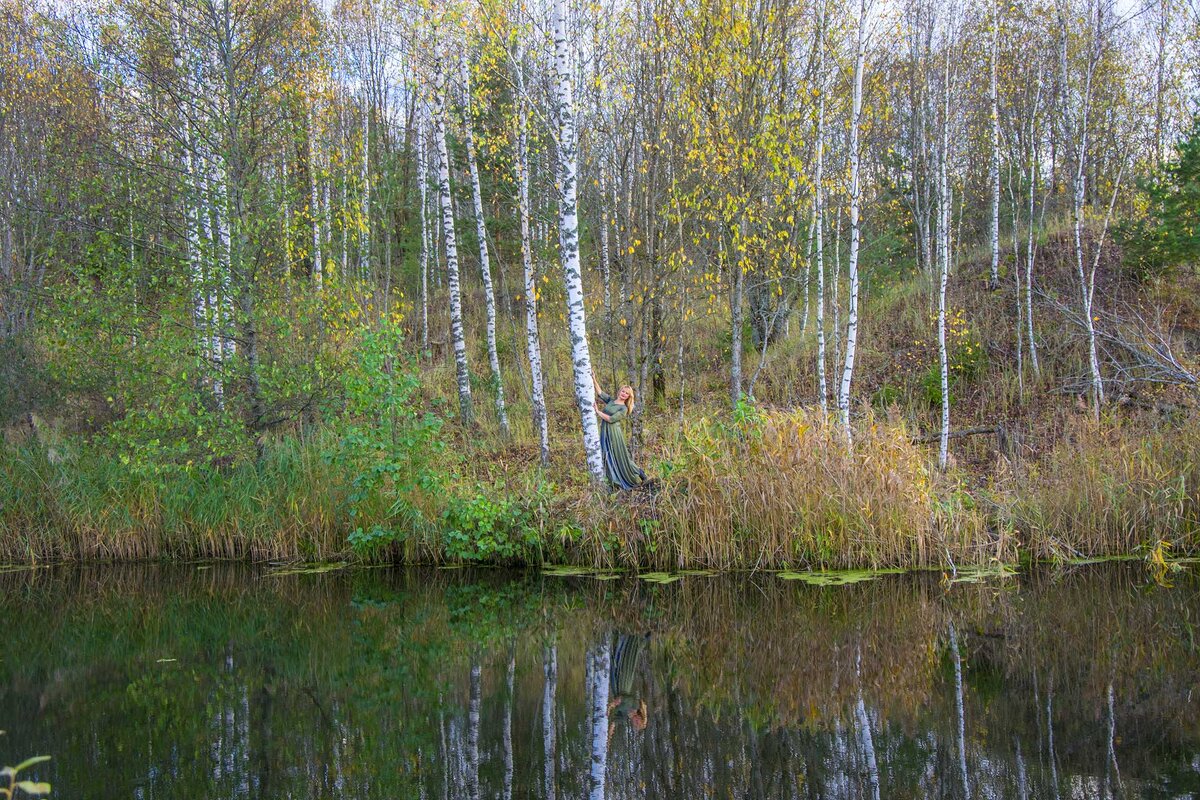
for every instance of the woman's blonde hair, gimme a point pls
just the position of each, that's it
(630, 400)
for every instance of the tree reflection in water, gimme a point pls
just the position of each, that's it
(172, 682)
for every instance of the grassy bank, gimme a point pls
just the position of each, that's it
(768, 490)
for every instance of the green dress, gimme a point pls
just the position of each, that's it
(618, 465)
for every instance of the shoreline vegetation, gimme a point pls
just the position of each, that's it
(306, 284)
(769, 491)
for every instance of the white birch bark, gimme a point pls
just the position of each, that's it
(994, 166)
(944, 242)
(1086, 287)
(533, 341)
(867, 742)
(462, 372)
(423, 190)
(473, 721)
(364, 254)
(960, 713)
(549, 730)
(819, 214)
(736, 321)
(314, 204)
(604, 254)
(568, 216)
(855, 191)
(599, 764)
(509, 675)
(485, 268)
(1029, 246)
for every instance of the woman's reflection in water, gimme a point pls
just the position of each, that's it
(623, 701)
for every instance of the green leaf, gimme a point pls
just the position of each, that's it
(29, 762)
(34, 789)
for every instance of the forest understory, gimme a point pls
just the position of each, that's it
(770, 485)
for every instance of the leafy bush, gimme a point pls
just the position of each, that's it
(389, 443)
(490, 525)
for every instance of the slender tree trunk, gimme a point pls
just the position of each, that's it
(994, 167)
(533, 342)
(960, 714)
(485, 269)
(364, 243)
(599, 762)
(509, 699)
(604, 254)
(855, 233)
(473, 723)
(866, 739)
(819, 215)
(568, 216)
(735, 317)
(549, 731)
(1029, 247)
(423, 190)
(944, 231)
(1078, 195)
(451, 245)
(314, 204)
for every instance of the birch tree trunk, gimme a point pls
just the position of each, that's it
(736, 320)
(314, 204)
(473, 722)
(549, 731)
(819, 215)
(599, 769)
(485, 268)
(1086, 287)
(852, 263)
(994, 167)
(1029, 246)
(944, 242)
(509, 699)
(533, 341)
(457, 336)
(960, 714)
(364, 244)
(423, 190)
(568, 221)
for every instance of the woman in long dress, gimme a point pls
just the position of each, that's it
(618, 464)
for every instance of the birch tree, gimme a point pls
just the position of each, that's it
(568, 223)
(944, 254)
(449, 240)
(994, 164)
(855, 230)
(533, 342)
(422, 192)
(485, 269)
(819, 216)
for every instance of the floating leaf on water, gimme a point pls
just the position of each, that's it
(568, 571)
(308, 569)
(978, 574)
(660, 577)
(1084, 561)
(16, 567)
(837, 577)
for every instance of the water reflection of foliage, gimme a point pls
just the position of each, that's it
(380, 660)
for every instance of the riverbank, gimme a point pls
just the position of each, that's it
(754, 490)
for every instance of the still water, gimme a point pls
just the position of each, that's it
(216, 681)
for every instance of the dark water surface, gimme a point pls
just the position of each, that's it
(221, 682)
